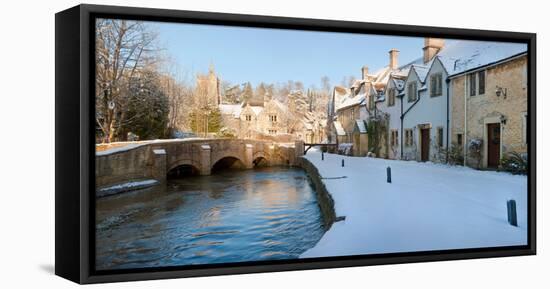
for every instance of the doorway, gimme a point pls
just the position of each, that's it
(493, 145)
(424, 144)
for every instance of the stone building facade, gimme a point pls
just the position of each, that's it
(491, 103)
(266, 121)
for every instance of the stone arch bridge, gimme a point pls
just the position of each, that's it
(155, 159)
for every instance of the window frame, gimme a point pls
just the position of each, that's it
(472, 81)
(436, 84)
(391, 96)
(408, 137)
(414, 96)
(480, 82)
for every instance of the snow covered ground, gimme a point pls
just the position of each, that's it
(426, 207)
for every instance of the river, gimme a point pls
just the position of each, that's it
(266, 213)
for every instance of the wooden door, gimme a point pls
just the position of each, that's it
(425, 144)
(493, 145)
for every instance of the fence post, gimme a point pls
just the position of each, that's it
(512, 214)
(342, 162)
(388, 173)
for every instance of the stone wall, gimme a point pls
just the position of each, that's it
(324, 199)
(134, 164)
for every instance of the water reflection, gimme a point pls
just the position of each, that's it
(231, 216)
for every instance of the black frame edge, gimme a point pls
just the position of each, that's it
(67, 145)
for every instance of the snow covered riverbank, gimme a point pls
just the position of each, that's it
(426, 207)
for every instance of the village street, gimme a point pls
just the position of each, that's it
(427, 206)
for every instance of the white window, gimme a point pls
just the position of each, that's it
(440, 136)
(436, 85)
(408, 137)
(391, 97)
(394, 138)
(412, 92)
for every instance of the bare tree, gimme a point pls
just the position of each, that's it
(123, 49)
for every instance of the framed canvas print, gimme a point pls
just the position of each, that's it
(193, 144)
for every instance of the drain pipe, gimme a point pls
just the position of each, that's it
(447, 81)
(401, 117)
(465, 137)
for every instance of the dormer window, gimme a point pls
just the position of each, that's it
(248, 117)
(273, 118)
(412, 92)
(391, 97)
(436, 85)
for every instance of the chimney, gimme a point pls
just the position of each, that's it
(364, 72)
(394, 54)
(432, 47)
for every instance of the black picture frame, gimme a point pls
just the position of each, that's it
(75, 143)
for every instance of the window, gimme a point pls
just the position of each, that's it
(459, 139)
(436, 86)
(394, 138)
(272, 131)
(481, 80)
(371, 101)
(408, 137)
(472, 82)
(391, 97)
(412, 92)
(248, 117)
(273, 118)
(440, 137)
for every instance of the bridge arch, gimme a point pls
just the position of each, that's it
(183, 167)
(259, 159)
(228, 161)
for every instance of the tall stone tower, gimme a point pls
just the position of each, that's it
(208, 89)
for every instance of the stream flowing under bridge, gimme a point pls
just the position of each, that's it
(135, 161)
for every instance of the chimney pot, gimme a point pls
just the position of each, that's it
(394, 55)
(432, 47)
(364, 72)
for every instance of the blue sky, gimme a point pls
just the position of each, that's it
(243, 54)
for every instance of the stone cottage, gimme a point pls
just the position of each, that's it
(488, 87)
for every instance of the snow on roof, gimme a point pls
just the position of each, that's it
(463, 55)
(339, 129)
(421, 71)
(361, 126)
(234, 109)
(350, 100)
(257, 109)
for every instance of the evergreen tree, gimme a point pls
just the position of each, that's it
(198, 120)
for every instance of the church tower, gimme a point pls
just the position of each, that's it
(208, 89)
